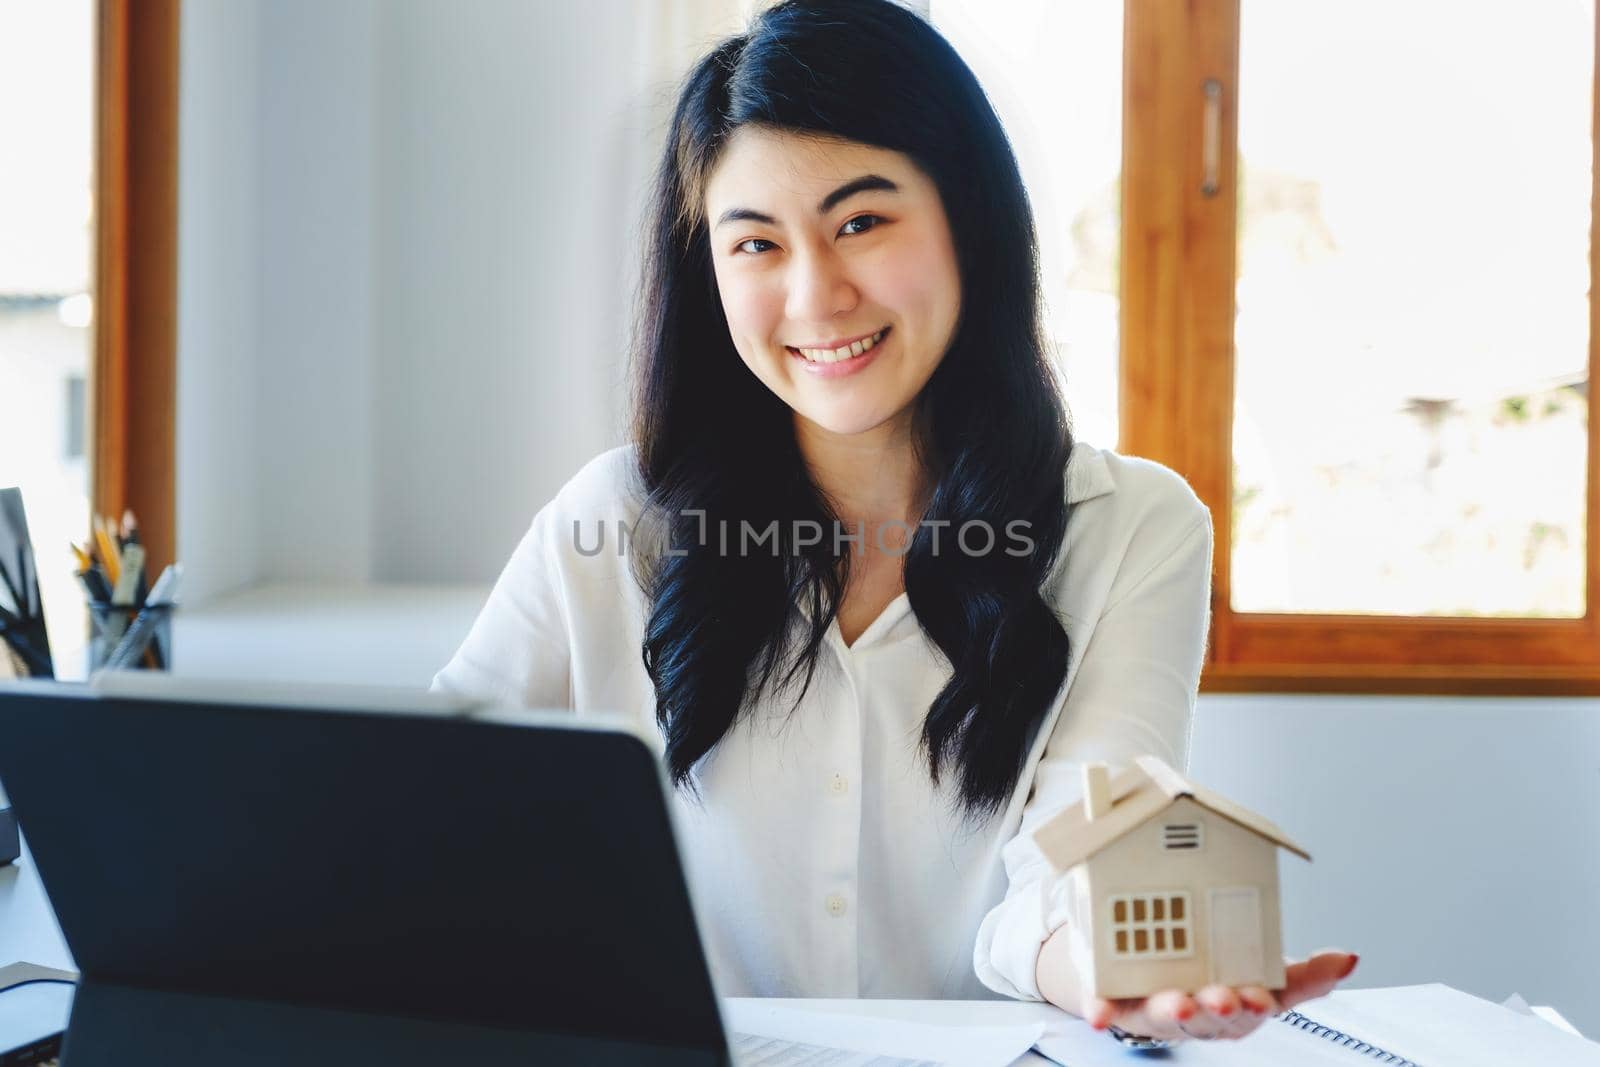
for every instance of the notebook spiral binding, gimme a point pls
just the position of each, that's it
(1316, 1029)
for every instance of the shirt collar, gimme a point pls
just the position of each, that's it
(1087, 478)
(1087, 475)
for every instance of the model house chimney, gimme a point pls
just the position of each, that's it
(1096, 791)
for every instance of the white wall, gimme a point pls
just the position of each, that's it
(219, 504)
(276, 303)
(318, 291)
(502, 333)
(515, 141)
(408, 258)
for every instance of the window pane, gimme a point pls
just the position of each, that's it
(1054, 74)
(1411, 425)
(47, 135)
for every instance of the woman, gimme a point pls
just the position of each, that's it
(853, 568)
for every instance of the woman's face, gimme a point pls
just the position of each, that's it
(837, 273)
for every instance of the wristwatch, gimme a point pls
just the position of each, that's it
(1128, 1040)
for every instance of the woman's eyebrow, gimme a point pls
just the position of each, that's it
(863, 184)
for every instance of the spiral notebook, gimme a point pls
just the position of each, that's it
(1437, 1026)
(1419, 1026)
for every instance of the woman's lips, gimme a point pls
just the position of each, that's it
(842, 341)
(844, 367)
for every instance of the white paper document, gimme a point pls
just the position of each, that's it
(883, 1042)
(1429, 1025)
(1437, 1026)
(1543, 1011)
(753, 1050)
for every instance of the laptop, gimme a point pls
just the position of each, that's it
(279, 874)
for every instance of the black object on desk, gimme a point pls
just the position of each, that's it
(10, 840)
(255, 884)
(24, 641)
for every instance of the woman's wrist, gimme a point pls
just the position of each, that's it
(1056, 975)
(1059, 983)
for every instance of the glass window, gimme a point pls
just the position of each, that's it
(1412, 334)
(46, 197)
(1054, 74)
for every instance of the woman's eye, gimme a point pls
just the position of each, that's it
(868, 221)
(754, 246)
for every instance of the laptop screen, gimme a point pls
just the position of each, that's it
(518, 873)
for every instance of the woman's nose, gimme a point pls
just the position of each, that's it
(819, 288)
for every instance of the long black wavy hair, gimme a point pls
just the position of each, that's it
(715, 445)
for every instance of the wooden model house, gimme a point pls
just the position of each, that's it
(1169, 885)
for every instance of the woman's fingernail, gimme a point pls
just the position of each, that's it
(1349, 967)
(1185, 1014)
(1223, 1010)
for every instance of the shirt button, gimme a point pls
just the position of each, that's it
(835, 904)
(838, 784)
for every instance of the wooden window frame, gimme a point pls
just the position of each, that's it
(133, 383)
(1177, 382)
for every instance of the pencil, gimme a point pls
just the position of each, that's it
(110, 557)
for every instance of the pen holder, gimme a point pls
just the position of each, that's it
(122, 636)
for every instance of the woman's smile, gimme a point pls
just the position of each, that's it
(844, 360)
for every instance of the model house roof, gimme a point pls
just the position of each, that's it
(1138, 795)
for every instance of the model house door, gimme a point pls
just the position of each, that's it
(1236, 955)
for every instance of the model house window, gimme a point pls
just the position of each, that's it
(1181, 836)
(1151, 925)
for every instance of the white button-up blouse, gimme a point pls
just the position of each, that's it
(823, 860)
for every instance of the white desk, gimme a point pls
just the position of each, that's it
(28, 931)
(939, 1013)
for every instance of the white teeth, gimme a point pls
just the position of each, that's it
(850, 351)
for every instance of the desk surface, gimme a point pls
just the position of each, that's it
(28, 931)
